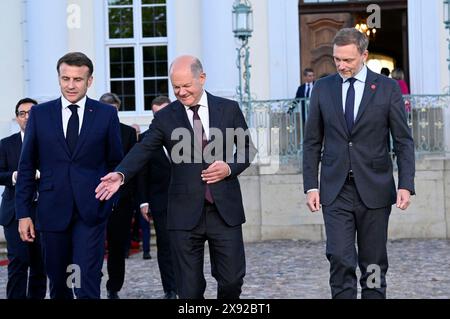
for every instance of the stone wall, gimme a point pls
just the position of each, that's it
(276, 206)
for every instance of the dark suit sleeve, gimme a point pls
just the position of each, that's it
(403, 141)
(143, 179)
(26, 184)
(312, 144)
(245, 152)
(299, 93)
(141, 153)
(131, 140)
(5, 173)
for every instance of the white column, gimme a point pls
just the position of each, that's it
(425, 55)
(82, 35)
(184, 27)
(284, 53)
(46, 34)
(219, 48)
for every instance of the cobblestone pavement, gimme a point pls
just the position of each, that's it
(298, 269)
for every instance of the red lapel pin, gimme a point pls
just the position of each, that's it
(373, 87)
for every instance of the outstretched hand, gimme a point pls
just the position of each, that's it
(108, 186)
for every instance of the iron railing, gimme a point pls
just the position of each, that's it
(280, 124)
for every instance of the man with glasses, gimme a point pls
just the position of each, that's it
(22, 256)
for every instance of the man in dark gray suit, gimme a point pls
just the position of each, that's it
(351, 116)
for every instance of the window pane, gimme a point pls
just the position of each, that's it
(154, 22)
(120, 23)
(155, 61)
(153, 1)
(120, 2)
(121, 62)
(126, 92)
(152, 89)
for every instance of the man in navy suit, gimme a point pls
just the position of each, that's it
(205, 201)
(153, 186)
(304, 91)
(72, 141)
(351, 116)
(22, 257)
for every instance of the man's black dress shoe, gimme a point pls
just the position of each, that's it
(170, 295)
(146, 256)
(112, 294)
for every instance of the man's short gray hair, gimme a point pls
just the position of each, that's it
(348, 36)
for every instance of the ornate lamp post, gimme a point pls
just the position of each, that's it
(243, 28)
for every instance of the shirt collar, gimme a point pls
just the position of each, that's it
(360, 76)
(203, 101)
(65, 103)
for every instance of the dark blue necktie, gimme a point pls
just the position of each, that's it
(350, 105)
(308, 90)
(72, 128)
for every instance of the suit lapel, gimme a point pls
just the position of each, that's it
(179, 112)
(369, 91)
(56, 119)
(337, 98)
(88, 119)
(180, 115)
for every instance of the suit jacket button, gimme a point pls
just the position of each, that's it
(350, 144)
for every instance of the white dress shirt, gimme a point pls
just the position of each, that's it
(66, 112)
(203, 113)
(310, 87)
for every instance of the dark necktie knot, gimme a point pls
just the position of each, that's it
(194, 108)
(73, 108)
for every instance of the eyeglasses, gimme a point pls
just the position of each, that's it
(22, 114)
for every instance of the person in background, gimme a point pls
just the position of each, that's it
(153, 185)
(304, 92)
(399, 76)
(26, 274)
(385, 71)
(119, 223)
